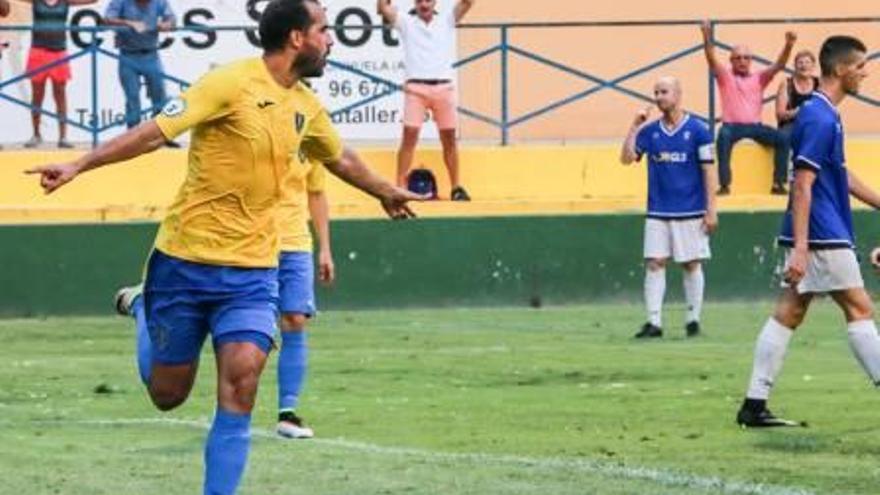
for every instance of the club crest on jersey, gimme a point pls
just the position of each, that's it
(299, 120)
(174, 107)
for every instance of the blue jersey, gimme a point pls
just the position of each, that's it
(817, 144)
(675, 167)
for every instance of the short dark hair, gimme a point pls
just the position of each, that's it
(280, 18)
(837, 50)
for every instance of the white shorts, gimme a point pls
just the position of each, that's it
(828, 270)
(681, 240)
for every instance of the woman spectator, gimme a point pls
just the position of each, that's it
(49, 45)
(793, 92)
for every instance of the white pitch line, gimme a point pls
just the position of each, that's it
(606, 469)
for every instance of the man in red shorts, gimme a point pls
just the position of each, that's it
(49, 45)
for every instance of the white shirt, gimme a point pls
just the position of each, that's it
(429, 49)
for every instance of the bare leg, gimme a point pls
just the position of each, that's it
(38, 94)
(450, 155)
(170, 385)
(406, 152)
(59, 91)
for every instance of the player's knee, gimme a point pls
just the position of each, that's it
(790, 317)
(691, 266)
(293, 322)
(858, 312)
(166, 399)
(655, 264)
(239, 389)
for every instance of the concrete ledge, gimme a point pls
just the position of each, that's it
(527, 180)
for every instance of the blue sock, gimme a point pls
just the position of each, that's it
(226, 452)
(144, 345)
(291, 368)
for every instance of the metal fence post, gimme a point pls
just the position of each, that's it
(504, 96)
(95, 121)
(712, 81)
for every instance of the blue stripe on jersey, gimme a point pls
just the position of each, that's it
(675, 174)
(817, 144)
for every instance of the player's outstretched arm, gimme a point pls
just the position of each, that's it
(354, 171)
(142, 139)
(709, 46)
(628, 152)
(801, 199)
(863, 192)
(319, 211)
(387, 11)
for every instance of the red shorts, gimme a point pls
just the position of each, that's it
(438, 98)
(39, 57)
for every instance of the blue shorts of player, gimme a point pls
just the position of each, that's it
(186, 301)
(296, 278)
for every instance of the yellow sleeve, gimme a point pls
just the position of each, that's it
(316, 178)
(209, 98)
(321, 142)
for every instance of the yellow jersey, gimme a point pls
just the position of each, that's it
(306, 176)
(247, 133)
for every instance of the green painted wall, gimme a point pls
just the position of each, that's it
(75, 269)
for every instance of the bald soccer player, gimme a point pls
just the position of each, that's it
(681, 201)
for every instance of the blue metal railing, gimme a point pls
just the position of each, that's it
(505, 121)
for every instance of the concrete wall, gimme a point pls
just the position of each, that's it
(75, 269)
(503, 181)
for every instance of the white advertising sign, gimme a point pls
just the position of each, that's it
(186, 55)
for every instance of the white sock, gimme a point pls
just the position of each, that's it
(694, 284)
(769, 355)
(865, 344)
(655, 289)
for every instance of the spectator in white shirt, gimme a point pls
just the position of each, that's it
(428, 39)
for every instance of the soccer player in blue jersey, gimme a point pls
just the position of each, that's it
(817, 234)
(681, 201)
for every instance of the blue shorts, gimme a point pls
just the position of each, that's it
(186, 301)
(296, 279)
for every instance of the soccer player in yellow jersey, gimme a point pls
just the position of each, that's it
(214, 266)
(296, 282)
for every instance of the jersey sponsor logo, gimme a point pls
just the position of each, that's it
(670, 157)
(174, 107)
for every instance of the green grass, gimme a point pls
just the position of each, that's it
(545, 402)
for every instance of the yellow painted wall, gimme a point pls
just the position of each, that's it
(503, 181)
(611, 52)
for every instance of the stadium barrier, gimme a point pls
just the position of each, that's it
(506, 50)
(454, 262)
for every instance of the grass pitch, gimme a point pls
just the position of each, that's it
(490, 401)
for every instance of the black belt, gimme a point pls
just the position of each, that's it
(138, 52)
(431, 82)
